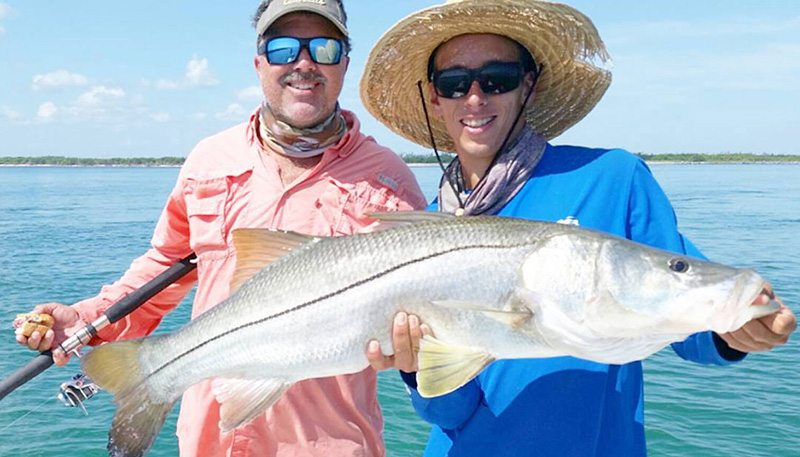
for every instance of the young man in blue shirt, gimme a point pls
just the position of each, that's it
(501, 78)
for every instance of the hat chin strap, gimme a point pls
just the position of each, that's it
(510, 131)
(435, 150)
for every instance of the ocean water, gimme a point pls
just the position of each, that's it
(66, 231)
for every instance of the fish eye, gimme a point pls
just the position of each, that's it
(678, 265)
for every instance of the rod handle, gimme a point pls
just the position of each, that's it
(24, 374)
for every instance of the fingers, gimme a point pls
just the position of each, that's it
(37, 341)
(763, 334)
(376, 359)
(407, 331)
(752, 337)
(414, 334)
(46, 308)
(783, 323)
(426, 331)
(60, 358)
(67, 321)
(405, 353)
(406, 339)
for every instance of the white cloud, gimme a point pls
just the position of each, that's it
(234, 111)
(199, 116)
(100, 103)
(10, 114)
(160, 117)
(99, 95)
(197, 74)
(58, 78)
(252, 93)
(46, 111)
(2, 31)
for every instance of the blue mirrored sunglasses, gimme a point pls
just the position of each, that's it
(284, 50)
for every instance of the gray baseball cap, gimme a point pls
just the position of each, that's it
(329, 9)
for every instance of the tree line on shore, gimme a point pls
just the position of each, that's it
(62, 161)
(408, 158)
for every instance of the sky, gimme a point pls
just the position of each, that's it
(151, 78)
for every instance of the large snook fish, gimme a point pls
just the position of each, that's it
(488, 287)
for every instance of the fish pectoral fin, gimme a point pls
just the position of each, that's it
(387, 220)
(241, 400)
(257, 248)
(444, 368)
(514, 318)
(512, 314)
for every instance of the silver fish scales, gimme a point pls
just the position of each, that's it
(489, 287)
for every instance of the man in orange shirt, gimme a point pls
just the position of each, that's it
(299, 163)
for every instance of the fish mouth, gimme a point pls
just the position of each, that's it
(763, 287)
(773, 305)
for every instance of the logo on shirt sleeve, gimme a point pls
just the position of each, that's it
(388, 182)
(570, 220)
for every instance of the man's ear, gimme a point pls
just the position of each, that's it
(433, 98)
(528, 81)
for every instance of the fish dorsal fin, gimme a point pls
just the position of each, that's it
(257, 248)
(513, 314)
(241, 400)
(444, 368)
(394, 219)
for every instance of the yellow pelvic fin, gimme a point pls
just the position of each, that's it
(444, 368)
(257, 248)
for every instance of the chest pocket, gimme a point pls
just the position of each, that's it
(343, 207)
(212, 204)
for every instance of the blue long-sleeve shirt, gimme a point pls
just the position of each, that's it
(566, 406)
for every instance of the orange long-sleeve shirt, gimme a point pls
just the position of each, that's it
(226, 183)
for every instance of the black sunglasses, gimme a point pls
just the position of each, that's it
(284, 50)
(493, 78)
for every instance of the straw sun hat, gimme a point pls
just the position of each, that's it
(561, 39)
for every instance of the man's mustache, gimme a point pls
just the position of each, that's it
(302, 76)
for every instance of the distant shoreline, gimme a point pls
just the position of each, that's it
(412, 160)
(708, 162)
(410, 164)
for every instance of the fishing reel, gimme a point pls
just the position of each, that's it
(76, 391)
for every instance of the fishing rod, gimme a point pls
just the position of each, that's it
(119, 310)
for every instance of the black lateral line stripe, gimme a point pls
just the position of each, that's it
(326, 296)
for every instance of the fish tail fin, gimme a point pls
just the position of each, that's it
(116, 368)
